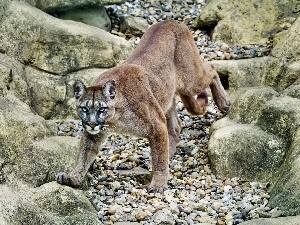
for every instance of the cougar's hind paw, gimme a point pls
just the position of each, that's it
(65, 179)
(156, 189)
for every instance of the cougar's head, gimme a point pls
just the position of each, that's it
(95, 105)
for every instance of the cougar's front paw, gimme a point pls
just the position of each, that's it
(223, 103)
(157, 187)
(225, 106)
(65, 179)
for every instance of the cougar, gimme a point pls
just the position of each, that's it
(138, 97)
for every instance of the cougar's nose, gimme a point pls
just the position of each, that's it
(92, 124)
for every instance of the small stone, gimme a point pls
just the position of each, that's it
(140, 215)
(207, 169)
(275, 213)
(217, 205)
(164, 216)
(127, 210)
(187, 210)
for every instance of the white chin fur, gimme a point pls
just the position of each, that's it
(96, 130)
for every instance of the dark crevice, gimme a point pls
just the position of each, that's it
(225, 82)
(209, 29)
(9, 80)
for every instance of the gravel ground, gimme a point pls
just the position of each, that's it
(195, 194)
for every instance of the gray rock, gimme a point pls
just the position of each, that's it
(142, 175)
(272, 126)
(55, 45)
(248, 72)
(52, 96)
(47, 157)
(291, 220)
(293, 91)
(242, 150)
(46, 91)
(281, 116)
(133, 26)
(93, 16)
(51, 6)
(249, 102)
(49, 204)
(164, 217)
(12, 78)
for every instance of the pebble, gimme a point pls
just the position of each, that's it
(195, 194)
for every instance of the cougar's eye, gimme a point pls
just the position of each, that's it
(84, 109)
(102, 109)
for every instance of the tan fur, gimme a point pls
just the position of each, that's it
(165, 63)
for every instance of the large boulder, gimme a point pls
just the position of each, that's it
(285, 192)
(249, 72)
(12, 78)
(90, 12)
(51, 6)
(94, 16)
(244, 150)
(50, 204)
(27, 150)
(247, 22)
(53, 45)
(293, 90)
(291, 220)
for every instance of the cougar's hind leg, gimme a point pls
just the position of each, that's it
(174, 129)
(88, 151)
(195, 106)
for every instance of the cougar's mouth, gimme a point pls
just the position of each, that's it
(94, 128)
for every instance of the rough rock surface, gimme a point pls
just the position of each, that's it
(95, 16)
(53, 49)
(292, 220)
(51, 6)
(133, 26)
(49, 204)
(53, 45)
(247, 22)
(247, 147)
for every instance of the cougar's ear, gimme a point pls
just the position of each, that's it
(109, 89)
(79, 89)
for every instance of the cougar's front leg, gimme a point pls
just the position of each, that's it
(219, 94)
(88, 151)
(159, 145)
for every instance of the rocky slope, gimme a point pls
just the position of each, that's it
(258, 141)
